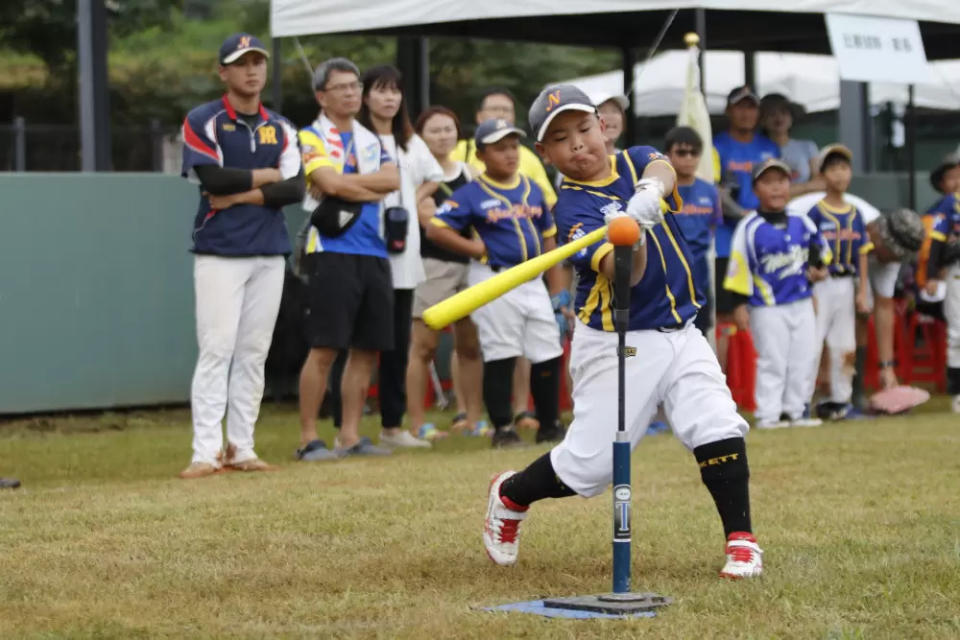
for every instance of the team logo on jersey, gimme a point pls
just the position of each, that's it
(228, 126)
(487, 204)
(610, 209)
(268, 134)
(791, 261)
(553, 99)
(656, 155)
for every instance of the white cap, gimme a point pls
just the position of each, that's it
(599, 98)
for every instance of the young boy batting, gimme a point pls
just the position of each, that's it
(774, 257)
(669, 363)
(844, 292)
(513, 224)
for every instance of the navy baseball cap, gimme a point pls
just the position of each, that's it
(554, 100)
(495, 130)
(239, 44)
(767, 165)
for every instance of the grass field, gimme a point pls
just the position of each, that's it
(860, 523)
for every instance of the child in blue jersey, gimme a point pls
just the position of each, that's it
(943, 268)
(844, 293)
(774, 257)
(669, 362)
(513, 224)
(700, 214)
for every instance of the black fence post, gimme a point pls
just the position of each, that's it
(19, 144)
(156, 141)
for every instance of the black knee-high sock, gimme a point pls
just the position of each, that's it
(536, 482)
(497, 387)
(545, 389)
(723, 468)
(953, 380)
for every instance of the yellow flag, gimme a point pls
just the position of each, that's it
(694, 114)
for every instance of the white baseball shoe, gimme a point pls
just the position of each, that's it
(502, 525)
(771, 424)
(955, 403)
(744, 557)
(402, 439)
(806, 422)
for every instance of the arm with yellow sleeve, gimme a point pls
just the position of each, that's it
(326, 177)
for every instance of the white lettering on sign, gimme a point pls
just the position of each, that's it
(871, 49)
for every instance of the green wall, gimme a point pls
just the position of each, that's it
(96, 290)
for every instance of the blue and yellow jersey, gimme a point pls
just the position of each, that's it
(768, 262)
(947, 221)
(699, 216)
(737, 160)
(844, 232)
(511, 218)
(666, 296)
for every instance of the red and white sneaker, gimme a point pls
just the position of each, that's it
(502, 526)
(744, 557)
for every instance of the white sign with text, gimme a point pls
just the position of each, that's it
(870, 49)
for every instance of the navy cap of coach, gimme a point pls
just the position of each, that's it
(554, 100)
(239, 44)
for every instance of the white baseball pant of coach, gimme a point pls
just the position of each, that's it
(237, 301)
(785, 336)
(951, 311)
(676, 369)
(837, 324)
(518, 323)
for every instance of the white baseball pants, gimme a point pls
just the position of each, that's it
(676, 369)
(518, 323)
(237, 301)
(785, 336)
(836, 323)
(951, 311)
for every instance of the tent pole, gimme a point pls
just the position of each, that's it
(853, 129)
(911, 149)
(750, 69)
(700, 18)
(277, 73)
(629, 63)
(94, 99)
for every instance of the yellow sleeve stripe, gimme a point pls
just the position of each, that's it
(661, 160)
(437, 222)
(316, 163)
(599, 254)
(867, 248)
(936, 235)
(633, 170)
(737, 278)
(549, 233)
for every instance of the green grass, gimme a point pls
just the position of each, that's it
(860, 523)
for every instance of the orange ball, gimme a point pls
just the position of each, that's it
(623, 231)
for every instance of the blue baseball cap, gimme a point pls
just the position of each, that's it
(495, 130)
(554, 100)
(239, 44)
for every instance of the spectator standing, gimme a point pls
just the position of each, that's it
(246, 161)
(945, 178)
(384, 112)
(446, 274)
(613, 112)
(349, 287)
(700, 214)
(840, 296)
(499, 103)
(740, 150)
(777, 117)
(774, 256)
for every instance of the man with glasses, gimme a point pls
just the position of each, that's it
(700, 214)
(350, 292)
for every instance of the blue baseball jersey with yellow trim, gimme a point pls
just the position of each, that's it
(947, 221)
(768, 262)
(699, 216)
(666, 296)
(512, 219)
(844, 231)
(737, 160)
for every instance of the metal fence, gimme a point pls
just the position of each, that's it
(25, 146)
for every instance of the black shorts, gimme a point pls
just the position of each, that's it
(723, 298)
(349, 301)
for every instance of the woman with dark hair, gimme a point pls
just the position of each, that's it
(777, 117)
(446, 275)
(383, 111)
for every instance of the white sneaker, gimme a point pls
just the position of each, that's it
(744, 556)
(955, 404)
(402, 439)
(771, 424)
(502, 525)
(806, 422)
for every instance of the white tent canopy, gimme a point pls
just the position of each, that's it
(810, 80)
(303, 17)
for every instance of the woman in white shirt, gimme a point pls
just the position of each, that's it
(777, 117)
(383, 111)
